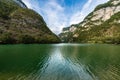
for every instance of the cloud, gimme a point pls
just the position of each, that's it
(87, 8)
(52, 12)
(57, 14)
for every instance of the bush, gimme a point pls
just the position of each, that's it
(6, 8)
(26, 39)
(108, 4)
(7, 38)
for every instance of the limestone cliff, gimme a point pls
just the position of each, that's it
(100, 26)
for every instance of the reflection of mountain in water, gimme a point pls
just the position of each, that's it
(60, 68)
(61, 62)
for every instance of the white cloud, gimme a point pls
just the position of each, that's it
(52, 12)
(87, 8)
(55, 15)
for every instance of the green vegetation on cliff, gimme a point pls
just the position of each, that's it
(100, 26)
(108, 32)
(22, 25)
(108, 4)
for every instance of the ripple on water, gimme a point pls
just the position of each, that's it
(59, 68)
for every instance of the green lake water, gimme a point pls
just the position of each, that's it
(60, 62)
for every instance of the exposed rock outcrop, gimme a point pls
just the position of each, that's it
(99, 26)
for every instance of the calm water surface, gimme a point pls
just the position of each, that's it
(60, 62)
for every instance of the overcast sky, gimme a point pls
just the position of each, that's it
(62, 13)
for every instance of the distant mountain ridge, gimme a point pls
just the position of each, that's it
(18, 24)
(20, 3)
(100, 26)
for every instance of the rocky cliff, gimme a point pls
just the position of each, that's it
(100, 26)
(18, 24)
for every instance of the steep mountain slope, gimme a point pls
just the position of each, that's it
(18, 24)
(100, 26)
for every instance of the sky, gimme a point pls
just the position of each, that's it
(62, 13)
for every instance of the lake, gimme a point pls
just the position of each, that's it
(60, 62)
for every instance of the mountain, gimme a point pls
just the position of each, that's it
(20, 3)
(18, 24)
(100, 26)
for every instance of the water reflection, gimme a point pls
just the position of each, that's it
(60, 62)
(59, 67)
